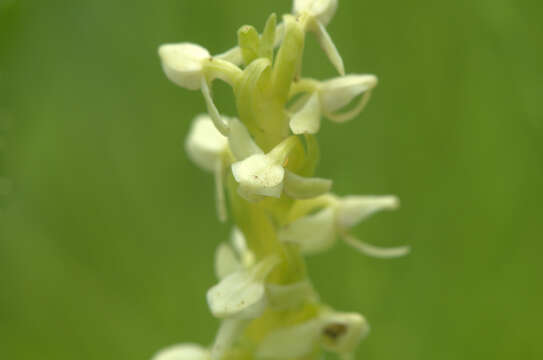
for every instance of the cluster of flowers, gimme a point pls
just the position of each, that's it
(263, 163)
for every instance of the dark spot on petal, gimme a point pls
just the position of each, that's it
(334, 331)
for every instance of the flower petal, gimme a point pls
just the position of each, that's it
(330, 49)
(204, 143)
(339, 92)
(314, 233)
(241, 294)
(226, 261)
(322, 10)
(240, 246)
(183, 352)
(241, 143)
(259, 175)
(341, 332)
(291, 342)
(182, 63)
(299, 187)
(353, 209)
(307, 119)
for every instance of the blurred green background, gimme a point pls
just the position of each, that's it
(108, 233)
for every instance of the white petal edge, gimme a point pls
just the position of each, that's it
(183, 352)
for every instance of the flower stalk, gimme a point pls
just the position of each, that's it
(264, 162)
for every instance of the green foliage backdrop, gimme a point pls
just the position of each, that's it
(108, 233)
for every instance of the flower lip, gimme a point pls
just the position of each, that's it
(182, 63)
(261, 174)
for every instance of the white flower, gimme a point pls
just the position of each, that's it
(328, 98)
(183, 352)
(321, 10)
(335, 331)
(207, 147)
(260, 174)
(241, 291)
(192, 67)
(243, 294)
(183, 63)
(320, 13)
(318, 232)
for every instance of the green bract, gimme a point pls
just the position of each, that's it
(264, 161)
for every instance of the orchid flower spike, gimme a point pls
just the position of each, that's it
(334, 331)
(183, 352)
(320, 13)
(328, 98)
(318, 232)
(207, 148)
(263, 296)
(260, 175)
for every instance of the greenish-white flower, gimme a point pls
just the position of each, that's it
(260, 174)
(328, 98)
(321, 10)
(320, 13)
(334, 331)
(192, 67)
(317, 232)
(183, 352)
(240, 293)
(183, 64)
